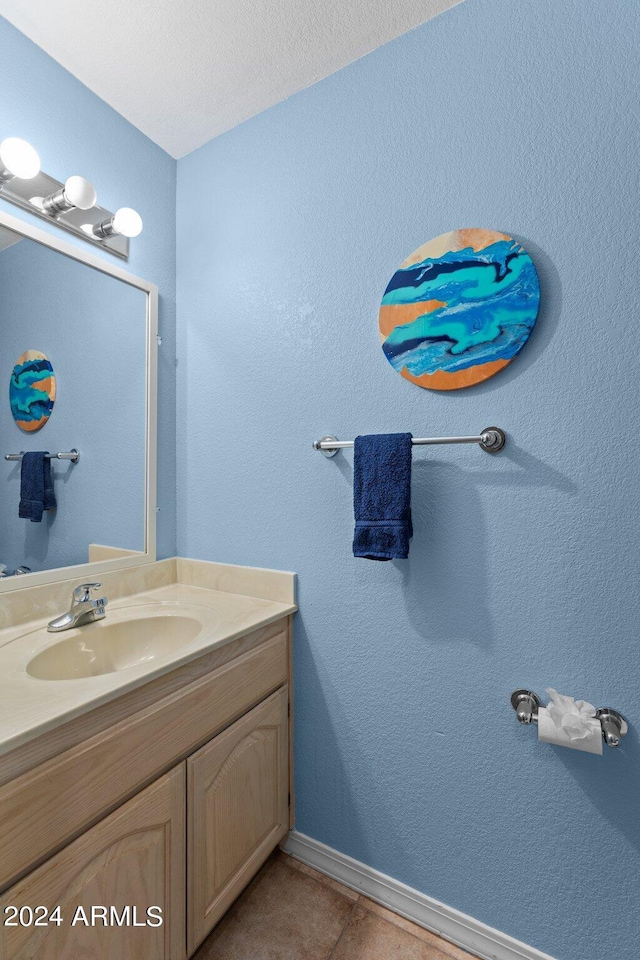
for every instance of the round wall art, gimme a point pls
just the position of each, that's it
(459, 309)
(32, 391)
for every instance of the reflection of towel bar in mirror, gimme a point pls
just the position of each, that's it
(492, 439)
(72, 455)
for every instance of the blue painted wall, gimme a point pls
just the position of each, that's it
(93, 329)
(524, 569)
(76, 132)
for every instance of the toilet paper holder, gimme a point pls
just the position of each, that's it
(614, 726)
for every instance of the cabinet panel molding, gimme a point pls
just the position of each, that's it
(133, 858)
(238, 810)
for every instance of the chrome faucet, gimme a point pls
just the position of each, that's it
(84, 609)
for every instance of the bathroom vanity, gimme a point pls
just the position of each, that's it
(152, 792)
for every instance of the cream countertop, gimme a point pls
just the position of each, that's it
(30, 707)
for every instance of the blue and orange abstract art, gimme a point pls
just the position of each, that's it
(32, 391)
(459, 309)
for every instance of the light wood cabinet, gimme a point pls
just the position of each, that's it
(132, 860)
(186, 841)
(54, 801)
(237, 810)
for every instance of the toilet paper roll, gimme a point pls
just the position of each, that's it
(550, 732)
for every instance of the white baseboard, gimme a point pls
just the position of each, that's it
(464, 931)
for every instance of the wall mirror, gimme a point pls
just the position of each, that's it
(97, 326)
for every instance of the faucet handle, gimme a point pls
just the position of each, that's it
(82, 594)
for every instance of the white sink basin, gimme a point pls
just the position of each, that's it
(107, 647)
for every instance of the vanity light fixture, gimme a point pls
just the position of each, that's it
(126, 222)
(17, 159)
(71, 206)
(77, 193)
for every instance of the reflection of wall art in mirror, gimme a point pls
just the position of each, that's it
(459, 309)
(32, 391)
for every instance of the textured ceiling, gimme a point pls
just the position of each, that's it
(186, 72)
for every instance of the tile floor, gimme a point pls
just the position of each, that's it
(291, 912)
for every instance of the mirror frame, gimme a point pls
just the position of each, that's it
(84, 571)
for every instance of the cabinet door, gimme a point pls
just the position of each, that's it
(238, 810)
(134, 858)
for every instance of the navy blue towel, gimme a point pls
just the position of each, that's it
(382, 496)
(36, 486)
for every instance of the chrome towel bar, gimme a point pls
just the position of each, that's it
(72, 455)
(491, 439)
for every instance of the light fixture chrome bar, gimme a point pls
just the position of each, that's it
(30, 194)
(491, 439)
(72, 455)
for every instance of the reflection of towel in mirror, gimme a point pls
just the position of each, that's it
(36, 486)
